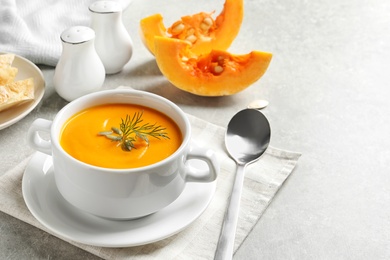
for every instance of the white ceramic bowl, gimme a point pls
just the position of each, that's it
(122, 193)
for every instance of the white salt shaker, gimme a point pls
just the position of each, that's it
(113, 43)
(79, 70)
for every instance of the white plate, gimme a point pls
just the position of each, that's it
(26, 69)
(50, 209)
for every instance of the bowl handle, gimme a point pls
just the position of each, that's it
(35, 140)
(194, 174)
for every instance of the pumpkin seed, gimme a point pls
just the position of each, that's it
(105, 133)
(206, 24)
(208, 21)
(114, 137)
(258, 104)
(178, 28)
(218, 69)
(191, 38)
(116, 130)
(190, 32)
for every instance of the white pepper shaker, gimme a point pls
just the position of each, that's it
(79, 70)
(113, 43)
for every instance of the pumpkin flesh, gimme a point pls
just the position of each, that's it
(217, 73)
(201, 30)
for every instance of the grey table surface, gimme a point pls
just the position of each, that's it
(328, 88)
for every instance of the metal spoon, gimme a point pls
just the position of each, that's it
(247, 137)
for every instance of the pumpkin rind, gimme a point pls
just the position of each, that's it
(197, 74)
(152, 26)
(219, 35)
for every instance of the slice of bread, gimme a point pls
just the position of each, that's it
(16, 93)
(13, 92)
(6, 60)
(7, 72)
(7, 75)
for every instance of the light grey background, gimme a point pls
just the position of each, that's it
(328, 88)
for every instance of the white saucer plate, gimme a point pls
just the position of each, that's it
(48, 206)
(26, 69)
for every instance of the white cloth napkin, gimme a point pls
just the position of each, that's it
(262, 180)
(32, 29)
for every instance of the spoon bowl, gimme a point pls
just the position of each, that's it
(247, 138)
(248, 135)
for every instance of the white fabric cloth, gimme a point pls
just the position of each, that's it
(32, 29)
(198, 241)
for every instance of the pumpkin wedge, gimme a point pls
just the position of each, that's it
(201, 30)
(217, 73)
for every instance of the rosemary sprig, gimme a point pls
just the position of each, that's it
(131, 128)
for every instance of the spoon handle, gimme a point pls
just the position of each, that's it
(226, 238)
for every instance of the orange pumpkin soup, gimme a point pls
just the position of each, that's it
(81, 139)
